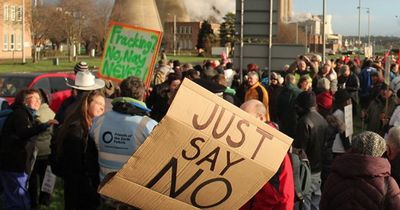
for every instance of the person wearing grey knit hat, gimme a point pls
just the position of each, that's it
(361, 179)
(368, 143)
(81, 66)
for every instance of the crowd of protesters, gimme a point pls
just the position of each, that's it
(306, 100)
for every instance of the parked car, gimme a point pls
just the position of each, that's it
(53, 83)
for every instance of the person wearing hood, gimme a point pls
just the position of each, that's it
(16, 154)
(128, 119)
(361, 179)
(309, 139)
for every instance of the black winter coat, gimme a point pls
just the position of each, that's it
(18, 129)
(310, 136)
(81, 169)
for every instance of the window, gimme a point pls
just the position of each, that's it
(5, 42)
(12, 13)
(12, 42)
(18, 41)
(5, 13)
(19, 13)
(190, 29)
(43, 83)
(59, 84)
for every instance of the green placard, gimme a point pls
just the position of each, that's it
(130, 51)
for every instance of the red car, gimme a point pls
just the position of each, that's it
(53, 83)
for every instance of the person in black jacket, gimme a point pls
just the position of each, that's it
(17, 148)
(79, 154)
(310, 136)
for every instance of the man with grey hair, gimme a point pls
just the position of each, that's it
(393, 151)
(361, 179)
(257, 91)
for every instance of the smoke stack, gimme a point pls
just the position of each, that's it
(140, 13)
(169, 8)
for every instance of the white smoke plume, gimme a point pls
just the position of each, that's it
(202, 9)
(301, 17)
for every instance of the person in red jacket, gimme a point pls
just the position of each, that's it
(278, 193)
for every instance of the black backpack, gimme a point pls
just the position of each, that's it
(56, 158)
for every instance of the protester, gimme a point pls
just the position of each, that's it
(379, 111)
(305, 83)
(159, 99)
(278, 193)
(129, 116)
(350, 82)
(329, 73)
(325, 97)
(17, 148)
(42, 140)
(229, 74)
(341, 143)
(81, 170)
(395, 118)
(274, 90)
(366, 83)
(257, 91)
(161, 72)
(129, 119)
(303, 66)
(309, 138)
(286, 106)
(393, 151)
(83, 80)
(361, 179)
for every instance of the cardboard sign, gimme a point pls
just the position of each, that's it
(130, 51)
(348, 120)
(387, 69)
(205, 153)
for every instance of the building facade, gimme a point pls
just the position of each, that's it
(11, 29)
(186, 35)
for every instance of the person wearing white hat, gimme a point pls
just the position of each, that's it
(84, 82)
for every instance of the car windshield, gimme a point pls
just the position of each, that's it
(11, 84)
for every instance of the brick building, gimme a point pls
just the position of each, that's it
(186, 35)
(11, 29)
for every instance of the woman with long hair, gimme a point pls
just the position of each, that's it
(79, 153)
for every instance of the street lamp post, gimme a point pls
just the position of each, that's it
(323, 31)
(359, 21)
(369, 22)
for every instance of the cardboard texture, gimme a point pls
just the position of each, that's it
(130, 51)
(348, 118)
(205, 153)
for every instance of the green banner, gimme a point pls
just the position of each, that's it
(130, 51)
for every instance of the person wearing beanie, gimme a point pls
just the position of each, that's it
(81, 66)
(309, 139)
(361, 179)
(325, 97)
(378, 113)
